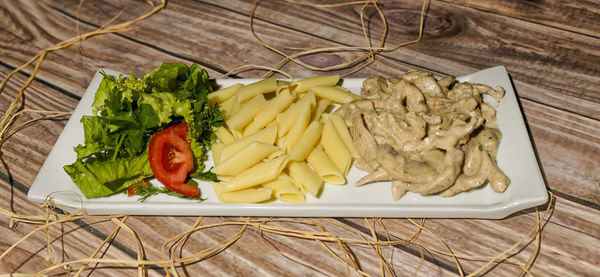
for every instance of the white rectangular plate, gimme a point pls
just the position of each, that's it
(515, 157)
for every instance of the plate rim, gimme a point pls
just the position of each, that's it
(497, 210)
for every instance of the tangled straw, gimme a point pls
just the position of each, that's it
(338, 240)
(274, 227)
(366, 58)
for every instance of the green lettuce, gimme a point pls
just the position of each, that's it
(128, 111)
(97, 178)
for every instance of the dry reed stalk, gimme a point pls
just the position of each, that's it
(363, 60)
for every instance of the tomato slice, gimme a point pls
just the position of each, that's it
(131, 188)
(171, 159)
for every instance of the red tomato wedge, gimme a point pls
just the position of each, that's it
(171, 159)
(131, 188)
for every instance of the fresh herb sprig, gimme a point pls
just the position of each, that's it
(146, 190)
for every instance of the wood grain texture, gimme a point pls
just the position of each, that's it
(552, 61)
(574, 16)
(69, 241)
(459, 35)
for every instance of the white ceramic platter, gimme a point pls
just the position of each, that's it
(515, 157)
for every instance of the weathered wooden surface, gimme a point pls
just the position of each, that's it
(550, 50)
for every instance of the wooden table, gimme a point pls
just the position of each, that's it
(550, 49)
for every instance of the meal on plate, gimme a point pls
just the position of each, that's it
(159, 126)
(280, 140)
(425, 135)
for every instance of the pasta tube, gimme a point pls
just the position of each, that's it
(305, 177)
(342, 129)
(335, 94)
(266, 136)
(222, 95)
(305, 85)
(307, 141)
(240, 119)
(302, 120)
(244, 159)
(289, 116)
(250, 195)
(227, 106)
(285, 190)
(322, 106)
(274, 107)
(215, 150)
(260, 173)
(321, 163)
(335, 148)
(260, 87)
(225, 136)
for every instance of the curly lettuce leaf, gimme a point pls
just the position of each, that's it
(166, 106)
(97, 178)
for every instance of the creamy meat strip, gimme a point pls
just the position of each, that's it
(425, 135)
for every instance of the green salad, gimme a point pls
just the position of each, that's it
(128, 113)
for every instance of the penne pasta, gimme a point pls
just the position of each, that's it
(260, 173)
(305, 85)
(342, 128)
(236, 105)
(288, 117)
(307, 141)
(225, 136)
(321, 163)
(285, 176)
(215, 150)
(249, 130)
(225, 178)
(223, 94)
(240, 119)
(322, 106)
(250, 195)
(305, 177)
(335, 148)
(227, 106)
(335, 94)
(280, 140)
(274, 107)
(244, 159)
(285, 190)
(296, 131)
(276, 154)
(260, 87)
(266, 136)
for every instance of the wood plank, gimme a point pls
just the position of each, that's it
(25, 150)
(568, 147)
(66, 239)
(458, 41)
(488, 238)
(24, 153)
(252, 255)
(575, 16)
(34, 26)
(222, 51)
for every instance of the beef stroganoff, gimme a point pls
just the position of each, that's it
(425, 135)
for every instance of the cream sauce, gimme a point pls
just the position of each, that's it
(425, 135)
